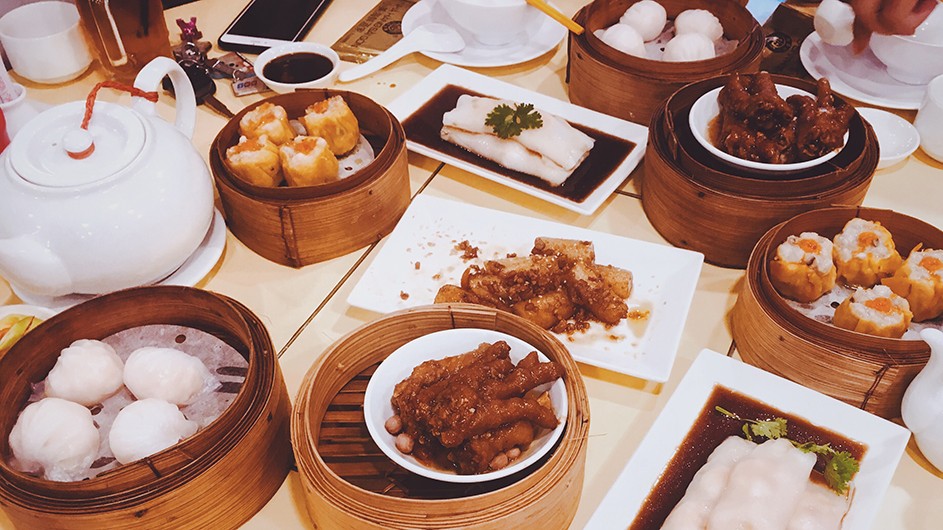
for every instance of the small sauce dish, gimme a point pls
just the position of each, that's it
(295, 65)
(897, 138)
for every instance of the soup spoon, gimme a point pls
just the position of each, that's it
(428, 37)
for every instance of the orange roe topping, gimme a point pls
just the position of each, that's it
(867, 239)
(882, 305)
(305, 145)
(810, 245)
(251, 144)
(931, 263)
(320, 107)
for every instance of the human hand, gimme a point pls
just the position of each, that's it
(888, 17)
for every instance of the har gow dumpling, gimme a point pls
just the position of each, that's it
(626, 39)
(87, 372)
(167, 374)
(689, 47)
(699, 21)
(57, 436)
(647, 17)
(146, 427)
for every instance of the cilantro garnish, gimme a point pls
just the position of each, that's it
(772, 429)
(508, 123)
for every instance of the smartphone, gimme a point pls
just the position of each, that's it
(266, 23)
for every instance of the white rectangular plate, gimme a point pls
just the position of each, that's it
(420, 256)
(886, 441)
(446, 75)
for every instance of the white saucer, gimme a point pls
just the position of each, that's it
(197, 266)
(897, 138)
(862, 77)
(532, 43)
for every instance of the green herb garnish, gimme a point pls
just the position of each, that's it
(508, 123)
(840, 466)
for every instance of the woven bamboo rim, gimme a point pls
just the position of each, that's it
(720, 174)
(603, 79)
(869, 372)
(547, 497)
(725, 225)
(219, 478)
(298, 226)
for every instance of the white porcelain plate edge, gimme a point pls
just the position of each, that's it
(897, 137)
(446, 75)
(419, 256)
(886, 441)
(399, 365)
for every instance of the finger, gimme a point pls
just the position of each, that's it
(862, 36)
(900, 18)
(866, 17)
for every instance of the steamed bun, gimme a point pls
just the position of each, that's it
(647, 17)
(146, 427)
(57, 436)
(625, 39)
(689, 47)
(167, 374)
(86, 372)
(699, 21)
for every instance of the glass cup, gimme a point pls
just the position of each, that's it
(126, 34)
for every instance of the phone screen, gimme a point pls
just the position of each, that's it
(276, 19)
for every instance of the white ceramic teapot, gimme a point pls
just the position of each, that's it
(922, 407)
(121, 204)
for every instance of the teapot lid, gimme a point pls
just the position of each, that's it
(52, 150)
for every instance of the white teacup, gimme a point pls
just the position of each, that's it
(44, 43)
(929, 122)
(492, 22)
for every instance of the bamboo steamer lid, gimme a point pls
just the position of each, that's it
(364, 491)
(301, 225)
(218, 478)
(606, 80)
(868, 372)
(726, 211)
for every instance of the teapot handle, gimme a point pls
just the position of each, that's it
(150, 78)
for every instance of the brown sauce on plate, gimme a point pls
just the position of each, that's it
(708, 432)
(608, 152)
(298, 67)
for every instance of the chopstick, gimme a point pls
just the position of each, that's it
(552, 12)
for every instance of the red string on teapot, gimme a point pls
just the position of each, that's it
(90, 105)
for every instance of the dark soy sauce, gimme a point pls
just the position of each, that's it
(608, 152)
(299, 67)
(709, 430)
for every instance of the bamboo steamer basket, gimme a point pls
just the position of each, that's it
(350, 484)
(301, 225)
(726, 211)
(606, 80)
(218, 478)
(868, 372)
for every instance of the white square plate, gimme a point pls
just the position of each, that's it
(885, 441)
(446, 75)
(420, 256)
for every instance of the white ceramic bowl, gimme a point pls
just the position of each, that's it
(492, 22)
(913, 59)
(897, 138)
(399, 365)
(296, 47)
(706, 108)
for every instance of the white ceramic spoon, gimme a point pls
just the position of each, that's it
(428, 37)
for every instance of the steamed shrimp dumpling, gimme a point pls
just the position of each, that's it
(146, 427)
(626, 39)
(87, 372)
(647, 17)
(57, 436)
(699, 21)
(689, 47)
(167, 374)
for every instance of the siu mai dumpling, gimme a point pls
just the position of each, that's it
(267, 120)
(308, 161)
(865, 253)
(802, 268)
(255, 160)
(333, 120)
(550, 152)
(876, 311)
(920, 281)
